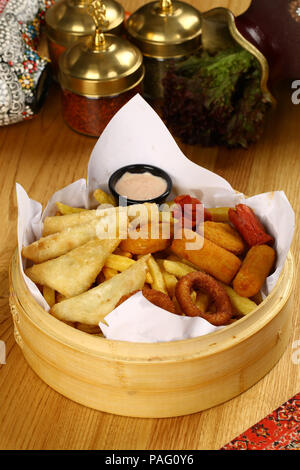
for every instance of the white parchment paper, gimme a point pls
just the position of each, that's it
(136, 134)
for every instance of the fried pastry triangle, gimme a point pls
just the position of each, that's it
(57, 244)
(92, 306)
(73, 273)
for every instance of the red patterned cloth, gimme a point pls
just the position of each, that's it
(278, 431)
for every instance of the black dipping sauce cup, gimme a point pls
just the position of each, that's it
(139, 168)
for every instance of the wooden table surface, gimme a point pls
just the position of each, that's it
(44, 155)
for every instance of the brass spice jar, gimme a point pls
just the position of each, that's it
(165, 31)
(98, 75)
(68, 20)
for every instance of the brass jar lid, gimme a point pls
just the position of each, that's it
(101, 65)
(68, 20)
(165, 29)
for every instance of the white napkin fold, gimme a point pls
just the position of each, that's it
(148, 323)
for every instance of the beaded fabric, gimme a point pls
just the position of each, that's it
(21, 66)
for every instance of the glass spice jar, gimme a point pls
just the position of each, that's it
(67, 21)
(165, 31)
(90, 116)
(98, 76)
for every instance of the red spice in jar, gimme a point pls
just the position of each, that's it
(90, 116)
(55, 51)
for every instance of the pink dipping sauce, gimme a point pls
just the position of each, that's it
(140, 186)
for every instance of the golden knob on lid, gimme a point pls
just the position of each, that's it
(67, 21)
(164, 30)
(98, 75)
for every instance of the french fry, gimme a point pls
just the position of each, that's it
(222, 234)
(149, 278)
(121, 263)
(118, 262)
(254, 271)
(120, 252)
(103, 198)
(170, 281)
(219, 214)
(157, 276)
(64, 209)
(109, 272)
(182, 260)
(177, 268)
(211, 258)
(202, 301)
(241, 305)
(175, 258)
(49, 295)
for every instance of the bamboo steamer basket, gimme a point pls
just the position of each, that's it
(153, 379)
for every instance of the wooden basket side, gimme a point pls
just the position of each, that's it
(160, 389)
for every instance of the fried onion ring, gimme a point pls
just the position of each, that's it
(159, 299)
(155, 297)
(199, 280)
